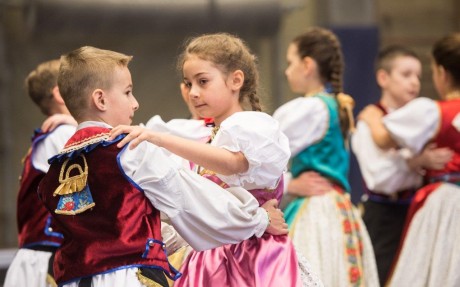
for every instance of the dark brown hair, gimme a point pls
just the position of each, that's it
(446, 53)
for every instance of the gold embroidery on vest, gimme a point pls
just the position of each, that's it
(74, 190)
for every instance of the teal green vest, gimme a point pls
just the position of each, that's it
(328, 156)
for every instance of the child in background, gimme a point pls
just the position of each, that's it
(38, 239)
(107, 200)
(325, 228)
(391, 176)
(429, 254)
(247, 149)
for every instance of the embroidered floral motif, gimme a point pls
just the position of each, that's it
(353, 241)
(75, 193)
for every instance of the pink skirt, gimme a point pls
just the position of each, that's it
(255, 262)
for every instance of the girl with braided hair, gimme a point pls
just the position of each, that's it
(247, 149)
(324, 226)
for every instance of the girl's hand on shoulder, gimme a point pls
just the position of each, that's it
(55, 120)
(135, 135)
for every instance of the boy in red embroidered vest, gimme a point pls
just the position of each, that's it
(107, 200)
(37, 237)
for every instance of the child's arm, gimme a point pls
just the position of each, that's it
(431, 158)
(217, 159)
(373, 117)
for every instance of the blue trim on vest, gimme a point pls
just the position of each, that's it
(51, 233)
(86, 149)
(41, 243)
(130, 180)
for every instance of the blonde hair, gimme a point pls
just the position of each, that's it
(40, 84)
(229, 53)
(84, 70)
(324, 47)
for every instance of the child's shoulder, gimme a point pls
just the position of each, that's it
(248, 118)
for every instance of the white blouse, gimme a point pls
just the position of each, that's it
(304, 121)
(205, 215)
(415, 124)
(258, 136)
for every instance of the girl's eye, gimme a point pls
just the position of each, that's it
(203, 81)
(188, 85)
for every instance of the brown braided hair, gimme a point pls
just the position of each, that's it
(229, 53)
(323, 46)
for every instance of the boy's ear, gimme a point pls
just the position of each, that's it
(57, 96)
(382, 77)
(99, 100)
(237, 80)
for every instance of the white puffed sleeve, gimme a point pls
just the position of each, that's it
(51, 146)
(413, 125)
(204, 214)
(185, 128)
(384, 171)
(304, 121)
(258, 136)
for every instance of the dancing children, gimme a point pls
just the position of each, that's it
(107, 200)
(247, 149)
(391, 176)
(429, 250)
(38, 239)
(325, 228)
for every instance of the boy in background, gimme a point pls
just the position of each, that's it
(391, 176)
(37, 237)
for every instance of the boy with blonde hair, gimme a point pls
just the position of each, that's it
(107, 200)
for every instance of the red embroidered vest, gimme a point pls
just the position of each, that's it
(448, 136)
(35, 225)
(107, 222)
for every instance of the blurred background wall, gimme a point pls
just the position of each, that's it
(32, 31)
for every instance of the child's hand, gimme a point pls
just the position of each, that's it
(55, 120)
(136, 135)
(435, 158)
(277, 225)
(309, 183)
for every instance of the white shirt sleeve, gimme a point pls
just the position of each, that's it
(258, 136)
(204, 214)
(304, 121)
(51, 146)
(415, 124)
(185, 128)
(383, 171)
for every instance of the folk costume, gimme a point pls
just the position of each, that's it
(327, 229)
(108, 200)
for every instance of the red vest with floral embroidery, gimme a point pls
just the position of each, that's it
(107, 222)
(35, 225)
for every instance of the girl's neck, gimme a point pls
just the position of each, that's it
(314, 91)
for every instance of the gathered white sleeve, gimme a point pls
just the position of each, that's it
(204, 214)
(51, 146)
(383, 171)
(258, 136)
(415, 124)
(185, 128)
(304, 121)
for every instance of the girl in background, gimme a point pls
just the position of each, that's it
(247, 149)
(325, 228)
